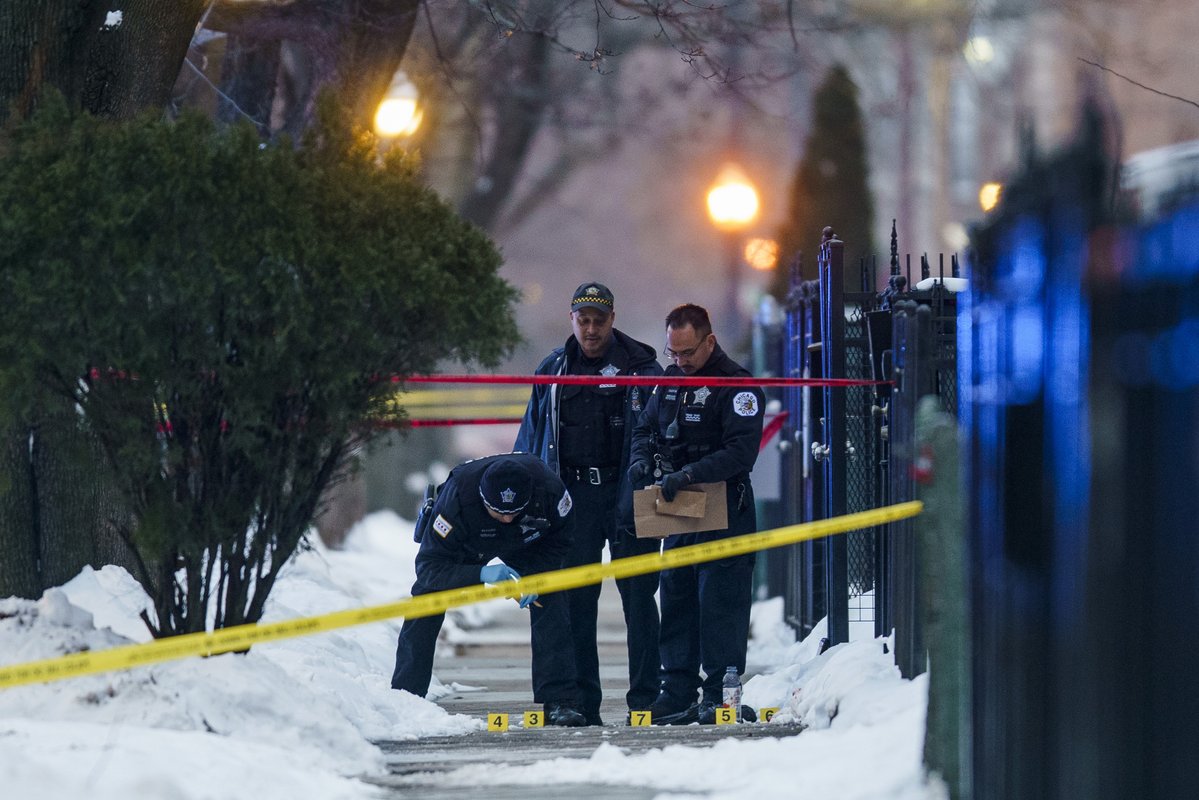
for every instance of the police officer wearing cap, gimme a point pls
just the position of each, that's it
(700, 434)
(510, 507)
(583, 434)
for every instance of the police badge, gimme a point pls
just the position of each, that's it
(745, 404)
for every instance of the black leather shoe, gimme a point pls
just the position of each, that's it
(563, 715)
(593, 718)
(707, 713)
(664, 714)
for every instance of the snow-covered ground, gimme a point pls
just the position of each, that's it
(297, 718)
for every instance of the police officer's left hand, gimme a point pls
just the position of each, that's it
(527, 600)
(639, 473)
(672, 483)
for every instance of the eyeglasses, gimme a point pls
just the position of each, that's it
(688, 353)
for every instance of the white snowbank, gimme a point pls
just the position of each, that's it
(296, 718)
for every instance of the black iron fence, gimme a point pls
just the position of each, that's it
(842, 454)
(1078, 345)
(1081, 371)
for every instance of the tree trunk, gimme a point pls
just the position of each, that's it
(18, 531)
(110, 63)
(353, 47)
(65, 512)
(76, 501)
(249, 73)
(520, 116)
(371, 48)
(57, 506)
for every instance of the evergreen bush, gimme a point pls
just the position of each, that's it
(831, 186)
(226, 314)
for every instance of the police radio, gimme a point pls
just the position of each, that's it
(424, 517)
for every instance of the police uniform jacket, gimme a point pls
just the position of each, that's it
(539, 429)
(719, 428)
(462, 536)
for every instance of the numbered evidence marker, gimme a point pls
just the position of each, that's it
(767, 713)
(534, 719)
(640, 719)
(497, 723)
(726, 716)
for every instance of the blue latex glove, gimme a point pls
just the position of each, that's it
(527, 600)
(672, 483)
(639, 472)
(496, 573)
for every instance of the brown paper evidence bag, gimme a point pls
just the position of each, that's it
(699, 507)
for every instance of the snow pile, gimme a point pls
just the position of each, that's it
(770, 639)
(295, 718)
(863, 738)
(290, 718)
(815, 688)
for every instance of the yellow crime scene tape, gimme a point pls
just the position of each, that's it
(499, 401)
(241, 637)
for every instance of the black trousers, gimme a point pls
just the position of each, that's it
(595, 524)
(553, 661)
(705, 612)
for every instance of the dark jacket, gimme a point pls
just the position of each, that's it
(538, 432)
(719, 427)
(462, 536)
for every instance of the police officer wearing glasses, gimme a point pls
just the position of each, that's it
(513, 508)
(583, 434)
(700, 434)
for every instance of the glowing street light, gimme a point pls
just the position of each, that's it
(732, 206)
(732, 200)
(979, 50)
(989, 194)
(762, 254)
(399, 114)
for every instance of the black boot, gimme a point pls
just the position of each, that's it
(667, 710)
(707, 713)
(563, 715)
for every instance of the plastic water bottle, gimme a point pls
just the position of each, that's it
(732, 692)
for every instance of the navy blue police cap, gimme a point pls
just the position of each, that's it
(506, 486)
(593, 295)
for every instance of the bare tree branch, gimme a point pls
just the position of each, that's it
(1138, 84)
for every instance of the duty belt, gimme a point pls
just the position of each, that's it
(593, 475)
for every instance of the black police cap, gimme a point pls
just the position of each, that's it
(593, 295)
(506, 486)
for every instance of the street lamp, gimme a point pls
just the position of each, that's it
(989, 195)
(732, 207)
(399, 113)
(762, 254)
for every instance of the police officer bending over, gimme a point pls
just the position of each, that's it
(583, 434)
(701, 434)
(514, 508)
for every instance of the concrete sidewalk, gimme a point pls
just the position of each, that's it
(496, 661)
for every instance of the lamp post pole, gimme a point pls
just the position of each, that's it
(732, 207)
(732, 250)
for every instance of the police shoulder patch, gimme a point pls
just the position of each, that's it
(565, 504)
(745, 404)
(442, 526)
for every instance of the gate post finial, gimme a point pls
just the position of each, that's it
(894, 249)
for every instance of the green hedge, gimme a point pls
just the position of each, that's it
(226, 313)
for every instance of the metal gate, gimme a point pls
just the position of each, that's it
(840, 442)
